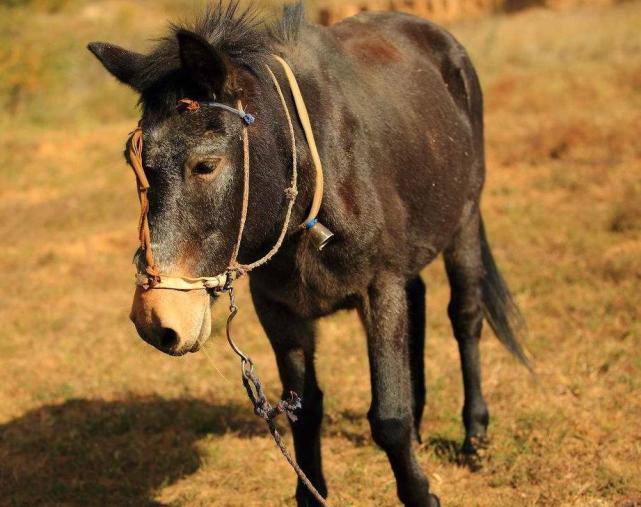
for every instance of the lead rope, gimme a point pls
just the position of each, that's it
(262, 407)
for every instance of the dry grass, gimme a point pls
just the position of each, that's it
(89, 415)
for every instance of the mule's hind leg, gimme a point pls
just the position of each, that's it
(384, 311)
(465, 272)
(415, 290)
(293, 341)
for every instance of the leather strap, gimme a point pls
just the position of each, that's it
(183, 282)
(303, 115)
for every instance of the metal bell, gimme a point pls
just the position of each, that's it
(319, 235)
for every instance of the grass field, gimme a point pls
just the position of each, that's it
(90, 415)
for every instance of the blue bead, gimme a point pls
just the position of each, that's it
(311, 223)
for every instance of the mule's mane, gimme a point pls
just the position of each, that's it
(241, 34)
(237, 33)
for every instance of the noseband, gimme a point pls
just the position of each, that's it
(152, 278)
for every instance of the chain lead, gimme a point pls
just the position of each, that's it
(256, 394)
(246, 364)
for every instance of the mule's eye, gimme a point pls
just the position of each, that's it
(206, 168)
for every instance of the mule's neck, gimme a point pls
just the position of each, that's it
(272, 153)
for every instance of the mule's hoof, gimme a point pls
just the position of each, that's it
(473, 452)
(434, 501)
(304, 497)
(476, 444)
(308, 501)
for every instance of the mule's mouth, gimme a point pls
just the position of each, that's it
(182, 351)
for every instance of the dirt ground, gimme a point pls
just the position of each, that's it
(90, 415)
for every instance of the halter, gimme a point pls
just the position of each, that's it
(152, 278)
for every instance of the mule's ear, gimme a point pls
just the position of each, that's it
(202, 62)
(125, 65)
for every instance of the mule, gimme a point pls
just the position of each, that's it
(397, 110)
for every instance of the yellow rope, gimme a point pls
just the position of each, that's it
(311, 141)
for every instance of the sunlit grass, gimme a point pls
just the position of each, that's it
(89, 415)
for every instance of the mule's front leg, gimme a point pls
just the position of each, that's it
(292, 339)
(385, 316)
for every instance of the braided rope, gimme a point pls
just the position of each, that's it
(233, 262)
(144, 234)
(264, 410)
(290, 192)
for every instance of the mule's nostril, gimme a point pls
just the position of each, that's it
(168, 339)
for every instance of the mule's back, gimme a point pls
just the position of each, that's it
(407, 87)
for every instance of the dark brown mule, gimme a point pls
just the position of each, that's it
(397, 112)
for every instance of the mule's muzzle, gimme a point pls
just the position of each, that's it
(166, 340)
(175, 322)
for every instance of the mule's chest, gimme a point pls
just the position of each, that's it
(312, 293)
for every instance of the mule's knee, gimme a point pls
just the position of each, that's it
(466, 319)
(391, 433)
(311, 411)
(476, 417)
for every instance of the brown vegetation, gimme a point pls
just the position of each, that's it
(90, 415)
(332, 11)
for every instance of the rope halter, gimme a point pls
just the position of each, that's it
(151, 278)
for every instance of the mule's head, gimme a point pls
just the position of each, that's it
(193, 161)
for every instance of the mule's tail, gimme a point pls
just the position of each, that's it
(499, 306)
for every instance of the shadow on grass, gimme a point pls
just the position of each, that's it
(353, 426)
(450, 451)
(350, 425)
(94, 452)
(446, 449)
